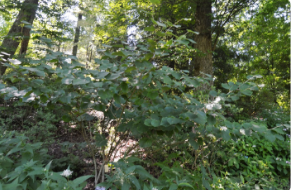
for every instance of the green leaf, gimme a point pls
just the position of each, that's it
(14, 61)
(234, 98)
(79, 180)
(150, 29)
(169, 43)
(107, 46)
(100, 140)
(161, 24)
(80, 81)
(129, 69)
(37, 71)
(213, 93)
(66, 118)
(37, 81)
(48, 165)
(113, 76)
(105, 94)
(44, 98)
(250, 77)
(124, 87)
(259, 128)
(176, 25)
(25, 22)
(231, 162)
(193, 82)
(173, 186)
(246, 92)
(203, 170)
(117, 98)
(173, 121)
(50, 105)
(126, 185)
(14, 185)
(119, 53)
(280, 137)
(183, 42)
(148, 56)
(161, 34)
(67, 81)
(184, 184)
(201, 118)
(155, 1)
(193, 32)
(152, 94)
(85, 117)
(232, 86)
(13, 150)
(155, 122)
(225, 135)
(164, 122)
(177, 75)
(206, 184)
(145, 187)
(242, 179)
(97, 84)
(99, 75)
(194, 144)
(211, 120)
(147, 122)
(167, 80)
(226, 86)
(145, 142)
(243, 86)
(279, 130)
(134, 180)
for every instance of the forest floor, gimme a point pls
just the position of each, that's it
(74, 138)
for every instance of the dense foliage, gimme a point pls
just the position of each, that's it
(225, 131)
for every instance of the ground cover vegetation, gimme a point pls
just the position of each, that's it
(140, 94)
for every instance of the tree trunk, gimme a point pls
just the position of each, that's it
(77, 35)
(202, 60)
(10, 42)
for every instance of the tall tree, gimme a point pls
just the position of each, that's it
(208, 17)
(10, 42)
(77, 35)
(202, 61)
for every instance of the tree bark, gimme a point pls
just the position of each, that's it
(11, 41)
(77, 35)
(202, 60)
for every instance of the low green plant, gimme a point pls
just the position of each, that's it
(255, 162)
(128, 175)
(40, 125)
(274, 116)
(21, 167)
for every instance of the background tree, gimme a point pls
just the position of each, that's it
(208, 18)
(259, 40)
(77, 35)
(11, 41)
